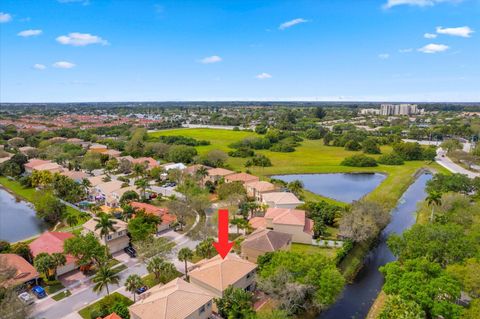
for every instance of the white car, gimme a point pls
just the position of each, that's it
(26, 298)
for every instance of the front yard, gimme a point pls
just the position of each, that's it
(104, 306)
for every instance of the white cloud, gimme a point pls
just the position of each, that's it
(407, 50)
(63, 65)
(457, 32)
(429, 35)
(39, 66)
(433, 48)
(418, 3)
(291, 23)
(263, 76)
(211, 59)
(5, 17)
(29, 33)
(384, 56)
(81, 39)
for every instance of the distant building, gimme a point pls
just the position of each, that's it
(399, 109)
(370, 111)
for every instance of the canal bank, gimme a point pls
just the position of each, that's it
(358, 296)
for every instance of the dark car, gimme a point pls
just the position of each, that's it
(130, 251)
(141, 290)
(39, 292)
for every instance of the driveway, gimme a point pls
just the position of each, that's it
(75, 280)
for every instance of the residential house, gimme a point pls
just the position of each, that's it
(115, 241)
(113, 199)
(192, 169)
(112, 153)
(34, 162)
(289, 221)
(104, 190)
(50, 167)
(162, 212)
(77, 176)
(148, 161)
(243, 178)
(97, 148)
(258, 188)
(26, 149)
(52, 242)
(263, 241)
(216, 174)
(217, 274)
(169, 166)
(96, 180)
(281, 200)
(113, 315)
(24, 271)
(176, 299)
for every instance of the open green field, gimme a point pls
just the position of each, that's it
(311, 157)
(310, 249)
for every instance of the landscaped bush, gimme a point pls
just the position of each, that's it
(242, 152)
(256, 143)
(182, 140)
(359, 161)
(259, 160)
(353, 146)
(390, 159)
(370, 146)
(282, 147)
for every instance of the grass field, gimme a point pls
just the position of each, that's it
(310, 249)
(311, 157)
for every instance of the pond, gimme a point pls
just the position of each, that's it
(344, 187)
(17, 219)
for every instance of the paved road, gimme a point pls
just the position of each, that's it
(451, 166)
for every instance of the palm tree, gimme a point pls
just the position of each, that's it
(295, 187)
(106, 225)
(433, 199)
(237, 222)
(184, 255)
(86, 184)
(58, 260)
(104, 276)
(96, 210)
(138, 170)
(132, 283)
(44, 263)
(205, 248)
(143, 185)
(155, 266)
(201, 172)
(71, 218)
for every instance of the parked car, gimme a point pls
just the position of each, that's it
(26, 298)
(130, 251)
(141, 290)
(39, 292)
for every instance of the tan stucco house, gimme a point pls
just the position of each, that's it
(177, 299)
(257, 188)
(263, 241)
(217, 274)
(115, 241)
(281, 200)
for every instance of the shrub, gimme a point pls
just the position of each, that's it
(353, 146)
(370, 146)
(359, 161)
(242, 152)
(390, 159)
(259, 160)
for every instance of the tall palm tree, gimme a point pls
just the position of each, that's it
(184, 255)
(155, 266)
(58, 260)
(105, 276)
(71, 218)
(86, 184)
(132, 283)
(96, 210)
(295, 187)
(433, 199)
(139, 170)
(143, 185)
(201, 172)
(106, 224)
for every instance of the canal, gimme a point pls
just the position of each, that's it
(359, 296)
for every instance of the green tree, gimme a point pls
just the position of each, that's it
(143, 185)
(370, 146)
(226, 189)
(433, 199)
(86, 249)
(44, 264)
(106, 225)
(185, 254)
(468, 275)
(21, 248)
(205, 248)
(363, 220)
(141, 228)
(48, 207)
(398, 308)
(159, 267)
(129, 196)
(59, 259)
(181, 154)
(235, 303)
(296, 187)
(71, 218)
(132, 283)
(104, 276)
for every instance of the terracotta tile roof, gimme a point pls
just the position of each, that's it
(286, 216)
(267, 240)
(52, 167)
(35, 162)
(258, 222)
(241, 177)
(24, 270)
(220, 273)
(151, 162)
(161, 212)
(75, 175)
(177, 299)
(91, 223)
(219, 172)
(280, 198)
(112, 316)
(51, 242)
(194, 168)
(261, 186)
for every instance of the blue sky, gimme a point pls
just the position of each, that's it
(99, 50)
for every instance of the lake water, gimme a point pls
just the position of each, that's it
(346, 187)
(359, 296)
(17, 219)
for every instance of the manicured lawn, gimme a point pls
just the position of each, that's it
(28, 194)
(108, 300)
(53, 287)
(310, 249)
(118, 269)
(62, 295)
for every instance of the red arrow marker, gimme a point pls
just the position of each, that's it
(223, 246)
